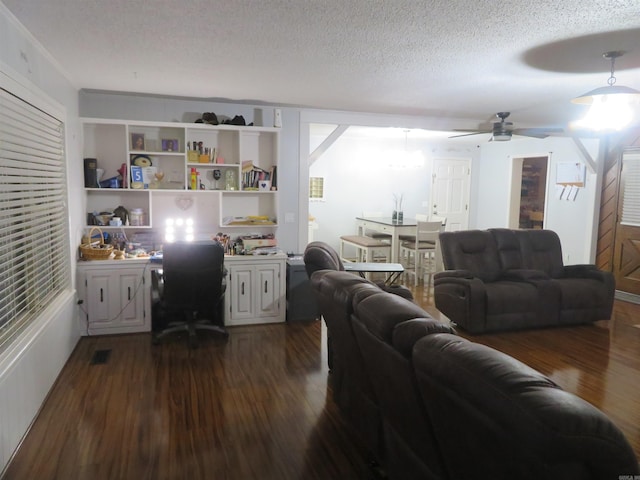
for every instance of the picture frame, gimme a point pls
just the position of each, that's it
(170, 145)
(137, 141)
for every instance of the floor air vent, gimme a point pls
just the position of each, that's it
(100, 357)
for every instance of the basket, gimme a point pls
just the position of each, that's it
(95, 252)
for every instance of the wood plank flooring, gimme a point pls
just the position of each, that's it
(253, 407)
(258, 406)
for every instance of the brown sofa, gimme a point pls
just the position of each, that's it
(431, 405)
(501, 279)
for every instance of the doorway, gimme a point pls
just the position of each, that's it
(626, 267)
(450, 191)
(528, 192)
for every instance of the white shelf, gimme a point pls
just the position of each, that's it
(110, 141)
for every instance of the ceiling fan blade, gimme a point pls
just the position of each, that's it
(536, 132)
(468, 134)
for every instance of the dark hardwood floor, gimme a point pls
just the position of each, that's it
(258, 406)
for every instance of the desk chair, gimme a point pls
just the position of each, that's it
(190, 290)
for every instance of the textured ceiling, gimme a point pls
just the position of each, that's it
(446, 58)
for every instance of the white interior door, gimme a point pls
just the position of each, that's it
(450, 191)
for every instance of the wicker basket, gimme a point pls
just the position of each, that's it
(95, 252)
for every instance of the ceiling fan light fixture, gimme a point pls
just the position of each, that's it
(502, 137)
(612, 107)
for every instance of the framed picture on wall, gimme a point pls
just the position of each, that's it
(170, 145)
(137, 141)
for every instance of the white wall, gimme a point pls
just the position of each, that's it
(362, 175)
(31, 365)
(572, 220)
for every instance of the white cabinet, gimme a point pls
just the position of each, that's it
(115, 296)
(255, 289)
(227, 195)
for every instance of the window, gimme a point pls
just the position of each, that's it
(316, 188)
(34, 244)
(630, 190)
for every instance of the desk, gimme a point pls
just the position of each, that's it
(394, 270)
(387, 225)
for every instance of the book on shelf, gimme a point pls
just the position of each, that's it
(252, 175)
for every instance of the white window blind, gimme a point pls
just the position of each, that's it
(34, 253)
(631, 190)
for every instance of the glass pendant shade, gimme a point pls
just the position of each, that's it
(612, 107)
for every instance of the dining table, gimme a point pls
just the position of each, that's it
(395, 228)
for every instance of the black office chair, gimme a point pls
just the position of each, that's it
(188, 294)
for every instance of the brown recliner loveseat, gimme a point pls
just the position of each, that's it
(502, 279)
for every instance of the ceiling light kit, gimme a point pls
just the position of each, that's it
(612, 107)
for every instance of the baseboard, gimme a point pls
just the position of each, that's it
(627, 297)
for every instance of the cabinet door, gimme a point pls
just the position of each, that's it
(131, 298)
(116, 300)
(268, 290)
(241, 292)
(99, 295)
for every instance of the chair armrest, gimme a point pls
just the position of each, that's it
(224, 280)
(524, 275)
(157, 286)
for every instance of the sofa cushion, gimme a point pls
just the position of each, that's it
(410, 448)
(406, 334)
(541, 250)
(351, 386)
(383, 311)
(508, 247)
(511, 297)
(321, 256)
(471, 250)
(517, 422)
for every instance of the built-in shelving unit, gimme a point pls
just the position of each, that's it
(230, 202)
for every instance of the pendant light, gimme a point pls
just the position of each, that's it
(612, 107)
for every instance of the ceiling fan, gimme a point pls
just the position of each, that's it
(503, 130)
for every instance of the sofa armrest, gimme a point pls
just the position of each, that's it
(454, 274)
(587, 271)
(463, 300)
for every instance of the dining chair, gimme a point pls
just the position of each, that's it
(419, 256)
(438, 218)
(420, 217)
